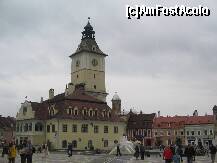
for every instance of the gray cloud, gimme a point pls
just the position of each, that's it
(172, 59)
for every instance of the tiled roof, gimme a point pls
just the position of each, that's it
(181, 121)
(198, 120)
(169, 122)
(77, 99)
(7, 122)
(88, 45)
(140, 121)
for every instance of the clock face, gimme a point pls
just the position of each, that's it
(94, 62)
(77, 63)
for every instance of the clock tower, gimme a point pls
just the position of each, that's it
(88, 65)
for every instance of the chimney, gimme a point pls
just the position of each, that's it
(158, 114)
(42, 99)
(140, 111)
(51, 93)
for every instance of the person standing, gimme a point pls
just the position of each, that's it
(213, 151)
(4, 149)
(12, 153)
(136, 154)
(118, 150)
(167, 154)
(142, 151)
(70, 150)
(176, 154)
(189, 152)
(29, 151)
(22, 152)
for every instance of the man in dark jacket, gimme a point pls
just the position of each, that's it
(118, 150)
(213, 151)
(142, 151)
(189, 152)
(29, 151)
(70, 150)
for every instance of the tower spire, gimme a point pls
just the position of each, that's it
(88, 31)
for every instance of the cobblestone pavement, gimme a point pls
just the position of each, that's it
(62, 158)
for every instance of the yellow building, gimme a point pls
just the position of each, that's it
(80, 115)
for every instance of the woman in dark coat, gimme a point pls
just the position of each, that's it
(136, 154)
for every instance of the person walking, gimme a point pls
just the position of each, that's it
(176, 154)
(118, 150)
(70, 150)
(29, 151)
(213, 151)
(46, 151)
(22, 152)
(5, 149)
(167, 154)
(142, 151)
(189, 152)
(136, 154)
(12, 153)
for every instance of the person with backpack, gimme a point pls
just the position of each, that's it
(213, 151)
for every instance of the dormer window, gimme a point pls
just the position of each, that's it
(70, 111)
(91, 112)
(104, 113)
(94, 48)
(52, 112)
(85, 111)
(95, 113)
(109, 114)
(75, 111)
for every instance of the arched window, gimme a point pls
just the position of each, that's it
(64, 144)
(109, 114)
(30, 127)
(74, 144)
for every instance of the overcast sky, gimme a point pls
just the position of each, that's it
(155, 63)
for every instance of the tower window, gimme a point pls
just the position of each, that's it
(94, 75)
(94, 86)
(77, 76)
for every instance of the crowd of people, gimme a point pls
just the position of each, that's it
(176, 153)
(25, 150)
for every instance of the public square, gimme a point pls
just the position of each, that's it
(103, 158)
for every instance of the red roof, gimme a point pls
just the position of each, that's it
(180, 121)
(198, 120)
(169, 122)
